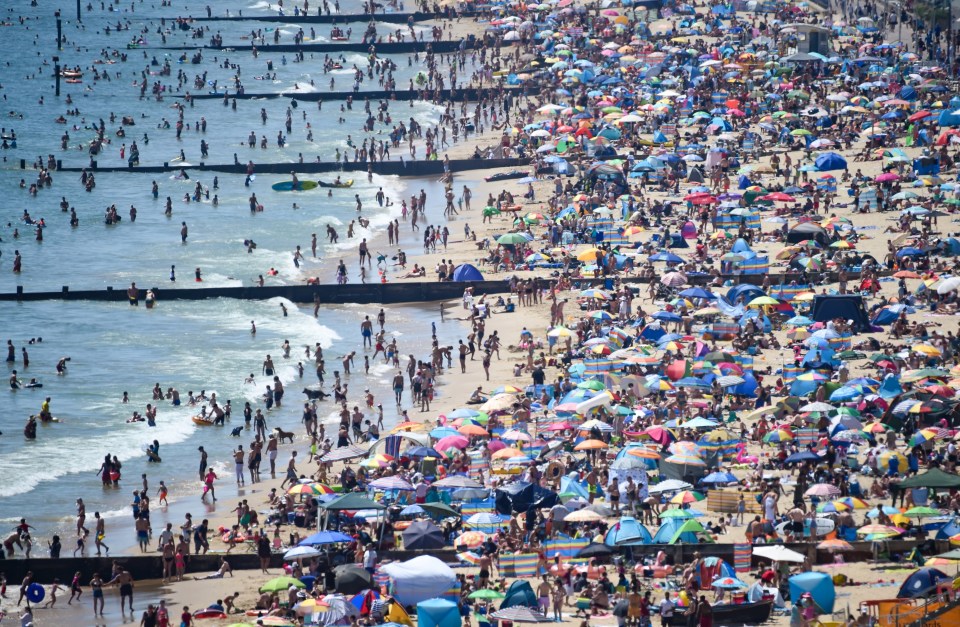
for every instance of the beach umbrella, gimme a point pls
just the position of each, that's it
(779, 553)
(720, 477)
(680, 513)
(835, 545)
(325, 537)
(687, 496)
(512, 239)
(457, 481)
(281, 584)
(452, 441)
(470, 539)
(499, 402)
(879, 530)
(728, 583)
(301, 552)
(823, 490)
(486, 595)
(591, 445)
(685, 459)
(391, 483)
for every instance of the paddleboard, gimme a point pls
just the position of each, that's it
(824, 526)
(203, 422)
(287, 186)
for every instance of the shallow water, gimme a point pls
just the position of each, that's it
(190, 346)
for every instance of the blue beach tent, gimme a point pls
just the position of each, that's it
(467, 272)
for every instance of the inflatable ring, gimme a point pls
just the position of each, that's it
(35, 593)
(554, 470)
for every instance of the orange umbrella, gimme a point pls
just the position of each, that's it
(643, 453)
(507, 453)
(591, 445)
(470, 539)
(472, 430)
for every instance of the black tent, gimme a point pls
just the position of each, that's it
(519, 497)
(808, 230)
(422, 536)
(827, 307)
(352, 579)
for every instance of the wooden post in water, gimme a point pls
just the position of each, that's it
(59, 31)
(79, 19)
(56, 71)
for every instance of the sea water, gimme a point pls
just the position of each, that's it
(203, 345)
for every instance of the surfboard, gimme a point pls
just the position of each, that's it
(341, 184)
(287, 186)
(824, 526)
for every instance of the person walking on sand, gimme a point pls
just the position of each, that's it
(263, 552)
(208, 485)
(100, 534)
(291, 471)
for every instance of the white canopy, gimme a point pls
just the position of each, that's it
(778, 553)
(419, 579)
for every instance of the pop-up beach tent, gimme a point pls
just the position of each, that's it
(827, 307)
(519, 593)
(419, 579)
(467, 272)
(437, 613)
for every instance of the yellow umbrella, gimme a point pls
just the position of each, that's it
(928, 350)
(763, 300)
(588, 255)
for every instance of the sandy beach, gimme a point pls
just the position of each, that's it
(524, 328)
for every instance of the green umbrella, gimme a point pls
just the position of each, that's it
(676, 513)
(440, 509)
(850, 355)
(592, 384)
(800, 131)
(512, 238)
(486, 594)
(280, 584)
(920, 512)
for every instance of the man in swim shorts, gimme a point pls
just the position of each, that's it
(366, 330)
(134, 295)
(142, 526)
(125, 581)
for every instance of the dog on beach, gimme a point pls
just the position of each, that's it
(315, 394)
(283, 435)
(236, 432)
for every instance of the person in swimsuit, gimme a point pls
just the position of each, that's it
(96, 584)
(75, 589)
(142, 526)
(366, 330)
